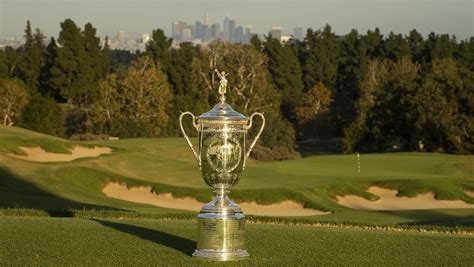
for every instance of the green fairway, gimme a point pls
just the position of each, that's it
(66, 241)
(168, 166)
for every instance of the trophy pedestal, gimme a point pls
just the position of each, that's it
(221, 226)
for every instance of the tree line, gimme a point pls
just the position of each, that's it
(376, 92)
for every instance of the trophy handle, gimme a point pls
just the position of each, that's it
(186, 136)
(256, 137)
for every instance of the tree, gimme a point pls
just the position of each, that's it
(385, 109)
(12, 58)
(415, 42)
(44, 115)
(373, 41)
(147, 94)
(357, 137)
(32, 56)
(444, 106)
(66, 74)
(108, 105)
(77, 64)
(321, 58)
(95, 66)
(136, 105)
(159, 50)
(13, 97)
(396, 47)
(438, 47)
(314, 102)
(186, 95)
(3, 65)
(255, 41)
(285, 74)
(353, 58)
(48, 72)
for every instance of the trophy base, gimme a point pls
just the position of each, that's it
(219, 255)
(221, 226)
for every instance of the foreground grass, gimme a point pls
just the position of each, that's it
(66, 241)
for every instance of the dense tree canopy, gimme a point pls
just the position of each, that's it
(377, 93)
(285, 74)
(135, 105)
(31, 58)
(44, 115)
(76, 63)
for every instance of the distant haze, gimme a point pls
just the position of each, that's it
(139, 16)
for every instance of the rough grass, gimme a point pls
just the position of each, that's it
(99, 241)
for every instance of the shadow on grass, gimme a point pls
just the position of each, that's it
(178, 243)
(15, 192)
(441, 217)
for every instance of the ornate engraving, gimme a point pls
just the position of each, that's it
(224, 153)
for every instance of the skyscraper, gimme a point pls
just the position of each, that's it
(175, 31)
(247, 34)
(298, 33)
(121, 39)
(232, 30)
(226, 34)
(239, 35)
(182, 25)
(216, 31)
(206, 20)
(186, 35)
(199, 30)
(277, 32)
(206, 33)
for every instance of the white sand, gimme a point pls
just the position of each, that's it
(144, 195)
(38, 154)
(389, 201)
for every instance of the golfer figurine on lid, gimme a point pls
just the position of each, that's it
(221, 156)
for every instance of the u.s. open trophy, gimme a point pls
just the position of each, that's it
(221, 157)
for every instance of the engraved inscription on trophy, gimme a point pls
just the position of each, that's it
(224, 154)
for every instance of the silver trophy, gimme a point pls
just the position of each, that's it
(221, 157)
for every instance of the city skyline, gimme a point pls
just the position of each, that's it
(229, 31)
(137, 17)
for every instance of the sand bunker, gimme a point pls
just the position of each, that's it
(469, 193)
(144, 195)
(389, 201)
(38, 154)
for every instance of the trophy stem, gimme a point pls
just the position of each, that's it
(221, 191)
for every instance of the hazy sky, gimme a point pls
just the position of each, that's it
(135, 17)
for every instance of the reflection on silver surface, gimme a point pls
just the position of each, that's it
(221, 156)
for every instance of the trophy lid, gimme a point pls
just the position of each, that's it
(223, 111)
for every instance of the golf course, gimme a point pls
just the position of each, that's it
(134, 201)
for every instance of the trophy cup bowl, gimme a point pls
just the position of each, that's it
(221, 157)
